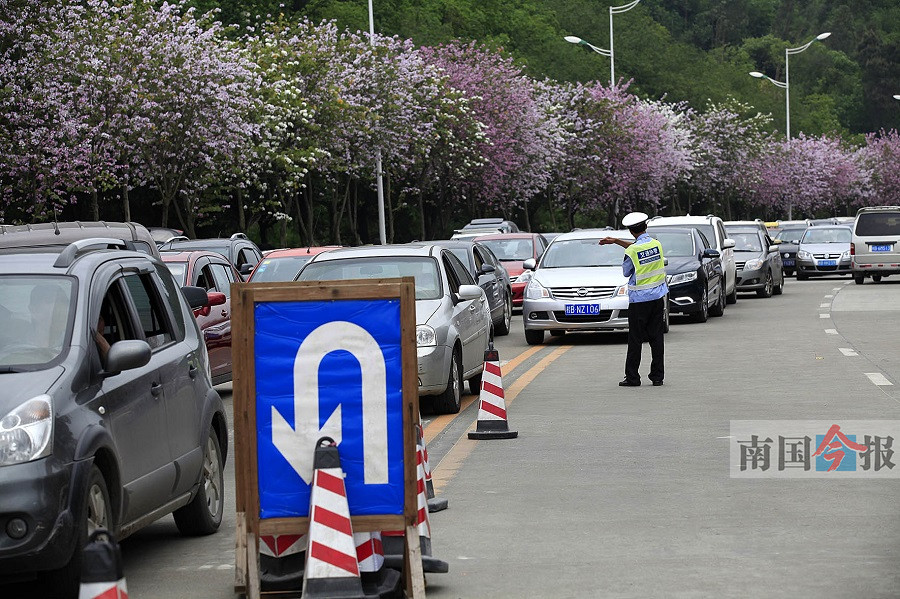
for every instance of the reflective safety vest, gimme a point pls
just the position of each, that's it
(649, 269)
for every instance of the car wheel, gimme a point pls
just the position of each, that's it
(448, 402)
(96, 513)
(702, 315)
(779, 289)
(534, 337)
(557, 333)
(766, 291)
(719, 308)
(859, 279)
(503, 327)
(203, 515)
(876, 278)
(731, 298)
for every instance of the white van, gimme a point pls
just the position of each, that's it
(714, 230)
(875, 245)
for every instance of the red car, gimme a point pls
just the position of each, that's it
(283, 265)
(214, 273)
(512, 249)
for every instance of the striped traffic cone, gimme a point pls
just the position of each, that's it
(281, 560)
(492, 422)
(101, 568)
(331, 568)
(393, 540)
(378, 581)
(435, 504)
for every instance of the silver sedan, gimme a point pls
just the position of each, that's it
(453, 319)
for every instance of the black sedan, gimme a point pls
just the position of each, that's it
(694, 273)
(759, 265)
(788, 241)
(490, 275)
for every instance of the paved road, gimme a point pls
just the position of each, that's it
(626, 492)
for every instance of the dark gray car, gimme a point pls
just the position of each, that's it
(490, 275)
(758, 263)
(108, 418)
(788, 240)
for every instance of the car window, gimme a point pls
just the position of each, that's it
(452, 279)
(826, 235)
(746, 242)
(790, 234)
(721, 230)
(247, 256)
(206, 279)
(423, 269)
(582, 252)
(878, 223)
(34, 319)
(221, 277)
(179, 271)
(479, 259)
(704, 240)
(114, 322)
(510, 250)
(280, 269)
(675, 244)
(462, 273)
(172, 295)
(150, 313)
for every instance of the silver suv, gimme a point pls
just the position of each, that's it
(108, 417)
(875, 245)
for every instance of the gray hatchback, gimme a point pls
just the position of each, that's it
(108, 418)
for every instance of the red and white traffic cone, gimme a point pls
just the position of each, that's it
(281, 560)
(102, 576)
(435, 504)
(332, 570)
(378, 580)
(492, 422)
(393, 540)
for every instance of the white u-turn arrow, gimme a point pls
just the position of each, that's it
(297, 444)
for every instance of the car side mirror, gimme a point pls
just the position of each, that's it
(529, 264)
(773, 248)
(196, 296)
(246, 269)
(126, 355)
(469, 292)
(711, 253)
(486, 269)
(776, 241)
(665, 261)
(216, 298)
(727, 244)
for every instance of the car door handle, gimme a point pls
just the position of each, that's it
(155, 389)
(192, 371)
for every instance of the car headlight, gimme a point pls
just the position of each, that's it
(25, 432)
(622, 290)
(804, 255)
(535, 290)
(682, 277)
(845, 255)
(425, 336)
(754, 264)
(522, 278)
(786, 255)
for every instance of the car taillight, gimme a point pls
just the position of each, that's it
(852, 249)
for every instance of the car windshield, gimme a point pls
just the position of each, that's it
(179, 271)
(284, 268)
(878, 223)
(676, 245)
(34, 319)
(826, 235)
(428, 281)
(790, 234)
(510, 250)
(573, 253)
(462, 254)
(746, 242)
(707, 230)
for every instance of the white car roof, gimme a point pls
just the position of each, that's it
(680, 220)
(594, 234)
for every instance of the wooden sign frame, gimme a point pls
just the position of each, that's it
(249, 525)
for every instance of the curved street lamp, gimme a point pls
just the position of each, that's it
(611, 54)
(786, 84)
(379, 185)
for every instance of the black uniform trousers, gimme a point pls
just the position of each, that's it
(646, 321)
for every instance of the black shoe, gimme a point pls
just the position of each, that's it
(627, 383)
(657, 383)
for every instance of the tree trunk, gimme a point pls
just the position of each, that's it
(242, 217)
(310, 220)
(527, 218)
(389, 209)
(422, 236)
(126, 206)
(95, 205)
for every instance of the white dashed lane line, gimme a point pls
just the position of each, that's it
(824, 305)
(836, 289)
(824, 316)
(829, 296)
(831, 331)
(878, 379)
(848, 351)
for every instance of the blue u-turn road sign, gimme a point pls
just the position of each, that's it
(329, 368)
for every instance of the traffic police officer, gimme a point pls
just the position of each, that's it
(645, 268)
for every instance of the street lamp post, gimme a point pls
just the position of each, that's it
(611, 54)
(786, 85)
(382, 235)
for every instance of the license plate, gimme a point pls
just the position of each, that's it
(880, 248)
(827, 262)
(788, 262)
(582, 309)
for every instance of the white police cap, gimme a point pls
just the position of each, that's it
(633, 218)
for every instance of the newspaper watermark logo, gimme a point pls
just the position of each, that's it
(814, 449)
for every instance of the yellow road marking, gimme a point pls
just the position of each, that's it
(439, 423)
(453, 460)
